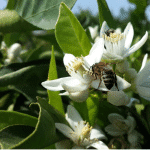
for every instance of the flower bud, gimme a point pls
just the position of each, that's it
(123, 66)
(79, 96)
(117, 98)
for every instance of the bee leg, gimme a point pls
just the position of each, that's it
(116, 82)
(99, 83)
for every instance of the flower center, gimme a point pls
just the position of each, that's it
(86, 131)
(113, 36)
(77, 66)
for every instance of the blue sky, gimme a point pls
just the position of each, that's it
(114, 6)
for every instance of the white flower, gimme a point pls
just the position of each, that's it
(117, 98)
(82, 135)
(13, 54)
(77, 86)
(120, 126)
(117, 44)
(79, 69)
(142, 81)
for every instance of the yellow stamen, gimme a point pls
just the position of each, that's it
(86, 130)
(76, 65)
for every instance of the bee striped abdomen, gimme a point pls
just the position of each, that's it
(108, 78)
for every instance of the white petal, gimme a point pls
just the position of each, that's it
(113, 131)
(98, 145)
(143, 77)
(108, 55)
(117, 98)
(77, 147)
(79, 96)
(95, 84)
(104, 28)
(73, 117)
(132, 102)
(67, 131)
(93, 31)
(64, 93)
(68, 58)
(55, 85)
(122, 84)
(144, 92)
(15, 49)
(96, 52)
(132, 123)
(137, 45)
(64, 144)
(144, 62)
(114, 116)
(128, 32)
(134, 138)
(97, 133)
(74, 85)
(118, 30)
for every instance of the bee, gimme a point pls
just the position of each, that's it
(109, 31)
(101, 71)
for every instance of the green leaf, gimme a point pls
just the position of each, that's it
(104, 110)
(42, 14)
(54, 97)
(93, 107)
(12, 135)
(82, 109)
(43, 135)
(15, 124)
(89, 109)
(141, 5)
(11, 38)
(105, 14)
(10, 21)
(8, 118)
(26, 78)
(70, 35)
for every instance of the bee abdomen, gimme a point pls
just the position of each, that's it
(109, 79)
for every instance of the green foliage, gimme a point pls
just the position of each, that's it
(10, 21)
(104, 14)
(24, 78)
(9, 118)
(11, 38)
(42, 14)
(70, 35)
(104, 110)
(89, 109)
(54, 97)
(20, 83)
(141, 5)
(21, 133)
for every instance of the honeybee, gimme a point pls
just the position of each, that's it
(101, 71)
(109, 31)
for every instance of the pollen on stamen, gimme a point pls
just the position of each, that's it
(76, 65)
(113, 37)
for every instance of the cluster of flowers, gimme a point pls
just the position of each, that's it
(111, 46)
